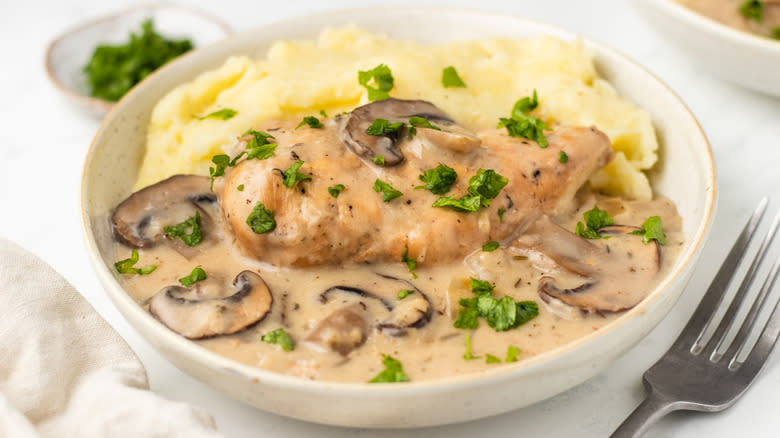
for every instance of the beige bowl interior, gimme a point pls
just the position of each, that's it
(686, 175)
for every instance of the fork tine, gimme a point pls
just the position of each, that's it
(736, 302)
(765, 343)
(697, 325)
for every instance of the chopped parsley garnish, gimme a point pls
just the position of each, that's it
(467, 355)
(383, 127)
(379, 159)
(501, 314)
(775, 33)
(258, 147)
(451, 79)
(240, 188)
(483, 186)
(403, 293)
(419, 122)
(439, 179)
(113, 70)
(382, 79)
(279, 337)
(312, 121)
(388, 192)
(323, 113)
(411, 263)
(489, 358)
(595, 219)
(752, 10)
(466, 203)
(180, 230)
(126, 266)
(501, 212)
(292, 176)
(652, 228)
(336, 190)
(221, 162)
(511, 353)
(197, 274)
(562, 157)
(490, 246)
(523, 125)
(261, 220)
(224, 114)
(393, 372)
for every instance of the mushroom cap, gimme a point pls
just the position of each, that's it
(342, 331)
(365, 145)
(139, 220)
(186, 312)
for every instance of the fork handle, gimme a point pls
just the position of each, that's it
(648, 412)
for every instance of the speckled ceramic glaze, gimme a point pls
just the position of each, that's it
(745, 59)
(685, 174)
(67, 55)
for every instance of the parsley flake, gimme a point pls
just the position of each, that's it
(501, 212)
(420, 122)
(439, 179)
(261, 220)
(126, 266)
(411, 263)
(336, 190)
(652, 228)
(562, 157)
(522, 125)
(240, 188)
(388, 192)
(312, 121)
(224, 114)
(403, 293)
(595, 219)
(323, 113)
(752, 10)
(383, 127)
(500, 314)
(490, 246)
(180, 230)
(292, 176)
(221, 163)
(487, 184)
(382, 79)
(393, 372)
(379, 159)
(511, 353)
(466, 203)
(279, 337)
(451, 79)
(489, 358)
(258, 147)
(467, 355)
(197, 274)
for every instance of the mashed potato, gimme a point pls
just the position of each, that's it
(303, 77)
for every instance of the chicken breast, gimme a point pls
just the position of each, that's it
(315, 228)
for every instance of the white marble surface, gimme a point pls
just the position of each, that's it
(43, 142)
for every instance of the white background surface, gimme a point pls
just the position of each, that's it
(44, 139)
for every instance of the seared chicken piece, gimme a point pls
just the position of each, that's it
(314, 228)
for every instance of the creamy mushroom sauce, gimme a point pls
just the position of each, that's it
(434, 350)
(727, 12)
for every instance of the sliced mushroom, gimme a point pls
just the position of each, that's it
(598, 276)
(139, 220)
(342, 331)
(414, 311)
(193, 315)
(363, 144)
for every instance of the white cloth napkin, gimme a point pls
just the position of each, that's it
(64, 372)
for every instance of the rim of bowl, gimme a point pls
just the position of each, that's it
(197, 353)
(705, 23)
(103, 104)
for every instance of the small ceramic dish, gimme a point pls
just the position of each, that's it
(686, 175)
(67, 55)
(740, 57)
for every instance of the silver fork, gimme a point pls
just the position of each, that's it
(693, 374)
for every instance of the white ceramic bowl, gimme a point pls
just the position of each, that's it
(686, 175)
(745, 59)
(67, 54)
